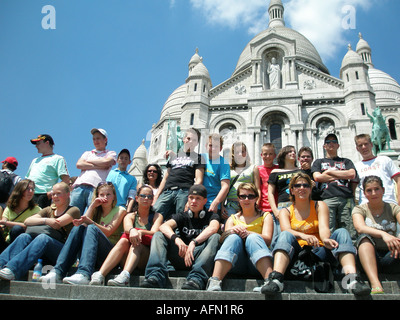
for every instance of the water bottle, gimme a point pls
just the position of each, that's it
(37, 271)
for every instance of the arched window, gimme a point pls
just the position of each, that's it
(392, 129)
(276, 135)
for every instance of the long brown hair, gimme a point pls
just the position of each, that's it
(98, 212)
(18, 193)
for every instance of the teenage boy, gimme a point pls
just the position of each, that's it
(217, 174)
(381, 166)
(46, 170)
(306, 158)
(261, 175)
(8, 179)
(95, 166)
(124, 183)
(334, 175)
(194, 249)
(183, 170)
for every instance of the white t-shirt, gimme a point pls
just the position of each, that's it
(383, 167)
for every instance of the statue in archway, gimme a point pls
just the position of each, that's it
(274, 73)
(380, 135)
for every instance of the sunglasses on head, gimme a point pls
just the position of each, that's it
(105, 183)
(247, 196)
(299, 185)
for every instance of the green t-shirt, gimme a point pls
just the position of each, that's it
(13, 216)
(105, 221)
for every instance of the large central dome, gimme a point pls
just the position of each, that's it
(304, 49)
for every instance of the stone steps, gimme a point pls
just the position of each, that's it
(234, 289)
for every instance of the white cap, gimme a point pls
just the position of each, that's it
(102, 131)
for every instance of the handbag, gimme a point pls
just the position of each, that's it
(34, 231)
(309, 267)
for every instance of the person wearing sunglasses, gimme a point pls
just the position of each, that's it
(245, 250)
(152, 176)
(306, 223)
(133, 248)
(335, 176)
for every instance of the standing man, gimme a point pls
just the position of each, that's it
(46, 170)
(124, 183)
(334, 175)
(381, 166)
(8, 179)
(95, 166)
(183, 169)
(217, 174)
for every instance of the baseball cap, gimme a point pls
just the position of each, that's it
(198, 189)
(125, 151)
(11, 160)
(44, 137)
(331, 136)
(102, 131)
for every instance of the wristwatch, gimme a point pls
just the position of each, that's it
(195, 242)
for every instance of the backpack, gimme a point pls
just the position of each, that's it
(6, 184)
(308, 267)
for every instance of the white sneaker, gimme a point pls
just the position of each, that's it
(122, 280)
(77, 279)
(7, 274)
(51, 277)
(97, 279)
(214, 284)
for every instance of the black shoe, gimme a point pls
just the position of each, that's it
(191, 285)
(274, 284)
(150, 283)
(358, 287)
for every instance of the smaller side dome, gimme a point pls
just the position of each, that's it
(200, 70)
(362, 44)
(196, 59)
(351, 58)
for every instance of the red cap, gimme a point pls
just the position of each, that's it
(11, 160)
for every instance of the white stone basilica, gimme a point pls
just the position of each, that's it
(282, 92)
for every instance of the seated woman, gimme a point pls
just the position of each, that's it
(92, 238)
(306, 222)
(245, 251)
(27, 248)
(20, 206)
(133, 249)
(152, 176)
(376, 223)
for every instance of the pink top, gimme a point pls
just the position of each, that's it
(95, 176)
(264, 176)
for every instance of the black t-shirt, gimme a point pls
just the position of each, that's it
(281, 180)
(337, 188)
(190, 228)
(183, 169)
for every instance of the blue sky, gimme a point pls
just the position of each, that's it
(113, 63)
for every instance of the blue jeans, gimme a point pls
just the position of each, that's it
(81, 197)
(171, 201)
(385, 263)
(89, 244)
(24, 252)
(243, 255)
(162, 250)
(287, 242)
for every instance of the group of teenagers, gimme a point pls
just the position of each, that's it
(204, 214)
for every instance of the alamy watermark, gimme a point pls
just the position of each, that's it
(49, 20)
(349, 18)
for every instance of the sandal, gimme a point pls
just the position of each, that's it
(377, 290)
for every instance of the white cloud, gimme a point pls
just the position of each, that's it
(233, 13)
(321, 21)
